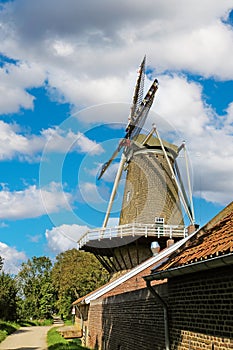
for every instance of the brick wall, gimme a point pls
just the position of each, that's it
(201, 310)
(132, 321)
(94, 336)
(150, 191)
(200, 315)
(92, 314)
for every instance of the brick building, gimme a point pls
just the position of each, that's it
(89, 309)
(182, 298)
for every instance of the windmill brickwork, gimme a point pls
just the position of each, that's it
(150, 191)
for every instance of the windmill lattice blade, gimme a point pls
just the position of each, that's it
(106, 165)
(139, 88)
(136, 124)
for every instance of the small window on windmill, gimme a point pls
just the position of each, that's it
(159, 222)
(128, 196)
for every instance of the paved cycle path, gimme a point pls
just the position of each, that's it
(27, 338)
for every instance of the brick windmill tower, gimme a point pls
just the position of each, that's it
(151, 213)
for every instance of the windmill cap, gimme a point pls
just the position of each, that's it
(153, 142)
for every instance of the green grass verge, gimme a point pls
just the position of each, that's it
(56, 342)
(6, 328)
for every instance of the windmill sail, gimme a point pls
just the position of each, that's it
(106, 165)
(135, 125)
(139, 88)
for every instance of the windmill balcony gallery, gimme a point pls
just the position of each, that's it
(133, 230)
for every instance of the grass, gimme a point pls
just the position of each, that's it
(56, 342)
(6, 328)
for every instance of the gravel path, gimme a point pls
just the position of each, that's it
(27, 338)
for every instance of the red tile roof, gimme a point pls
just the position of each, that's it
(207, 243)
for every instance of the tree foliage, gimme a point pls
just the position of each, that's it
(41, 288)
(76, 273)
(36, 288)
(8, 297)
(1, 263)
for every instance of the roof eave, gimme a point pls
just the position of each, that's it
(151, 261)
(202, 265)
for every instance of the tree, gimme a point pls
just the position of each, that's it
(36, 288)
(1, 263)
(76, 273)
(8, 297)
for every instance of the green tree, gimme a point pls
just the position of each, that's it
(8, 297)
(36, 288)
(1, 263)
(76, 273)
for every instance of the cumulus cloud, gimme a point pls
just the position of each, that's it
(179, 102)
(92, 45)
(64, 237)
(64, 141)
(13, 143)
(212, 163)
(12, 258)
(88, 52)
(15, 79)
(90, 193)
(33, 202)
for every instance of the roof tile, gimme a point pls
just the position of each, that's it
(218, 240)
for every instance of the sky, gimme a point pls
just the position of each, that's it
(67, 75)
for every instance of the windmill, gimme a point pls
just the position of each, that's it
(154, 190)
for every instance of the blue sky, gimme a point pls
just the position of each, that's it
(67, 73)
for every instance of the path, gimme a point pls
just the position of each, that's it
(27, 338)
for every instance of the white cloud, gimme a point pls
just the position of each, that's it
(15, 79)
(62, 141)
(212, 163)
(12, 258)
(14, 143)
(64, 237)
(180, 103)
(85, 145)
(33, 202)
(199, 50)
(88, 56)
(90, 193)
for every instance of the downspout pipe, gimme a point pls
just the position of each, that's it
(165, 313)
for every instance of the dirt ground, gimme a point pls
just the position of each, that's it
(26, 338)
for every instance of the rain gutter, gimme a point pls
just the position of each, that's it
(165, 313)
(202, 265)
